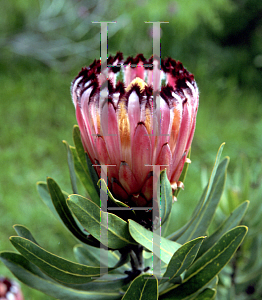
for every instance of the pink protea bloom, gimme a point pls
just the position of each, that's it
(10, 290)
(127, 129)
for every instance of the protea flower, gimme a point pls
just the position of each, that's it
(10, 290)
(128, 129)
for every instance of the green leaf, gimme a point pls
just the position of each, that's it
(183, 174)
(70, 162)
(91, 256)
(24, 232)
(220, 253)
(88, 214)
(84, 159)
(207, 294)
(166, 197)
(165, 226)
(86, 257)
(113, 202)
(203, 292)
(79, 148)
(85, 178)
(54, 266)
(109, 283)
(144, 287)
(208, 265)
(182, 259)
(44, 194)
(202, 221)
(30, 275)
(149, 240)
(214, 170)
(175, 235)
(21, 261)
(213, 283)
(232, 221)
(59, 202)
(101, 183)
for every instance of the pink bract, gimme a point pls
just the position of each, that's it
(122, 125)
(10, 289)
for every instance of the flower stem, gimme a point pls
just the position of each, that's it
(137, 262)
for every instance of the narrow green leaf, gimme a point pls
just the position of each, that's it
(83, 157)
(210, 286)
(175, 235)
(20, 261)
(143, 287)
(70, 162)
(109, 283)
(101, 183)
(86, 257)
(207, 294)
(88, 214)
(85, 178)
(30, 275)
(165, 226)
(149, 240)
(220, 253)
(183, 174)
(166, 197)
(208, 265)
(232, 221)
(154, 263)
(213, 283)
(54, 266)
(214, 170)
(79, 147)
(59, 202)
(92, 172)
(45, 196)
(167, 285)
(91, 256)
(182, 259)
(113, 202)
(24, 232)
(204, 218)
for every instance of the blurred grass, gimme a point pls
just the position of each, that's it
(37, 114)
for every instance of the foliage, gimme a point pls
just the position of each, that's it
(243, 276)
(36, 110)
(185, 263)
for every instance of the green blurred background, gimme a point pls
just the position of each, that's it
(45, 43)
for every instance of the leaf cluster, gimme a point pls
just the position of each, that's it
(182, 265)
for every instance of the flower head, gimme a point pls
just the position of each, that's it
(147, 119)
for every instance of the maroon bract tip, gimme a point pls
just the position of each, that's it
(149, 120)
